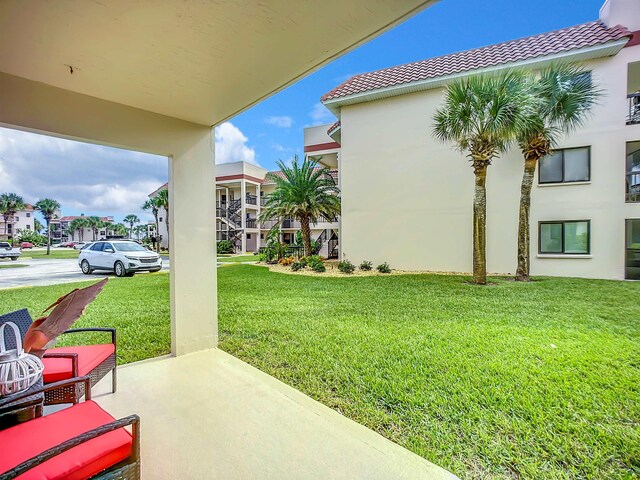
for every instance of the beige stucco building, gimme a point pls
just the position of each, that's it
(241, 192)
(22, 220)
(407, 198)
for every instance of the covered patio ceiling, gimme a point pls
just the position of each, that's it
(199, 61)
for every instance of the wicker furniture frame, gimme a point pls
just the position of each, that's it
(128, 469)
(70, 393)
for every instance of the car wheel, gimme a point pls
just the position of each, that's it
(119, 269)
(13, 259)
(85, 267)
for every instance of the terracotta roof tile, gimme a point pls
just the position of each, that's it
(571, 38)
(333, 128)
(334, 174)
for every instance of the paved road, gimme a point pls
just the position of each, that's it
(49, 272)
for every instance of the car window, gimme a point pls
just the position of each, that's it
(106, 246)
(97, 247)
(129, 247)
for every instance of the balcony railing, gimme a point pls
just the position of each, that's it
(263, 201)
(250, 223)
(251, 199)
(634, 109)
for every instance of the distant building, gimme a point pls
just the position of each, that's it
(22, 220)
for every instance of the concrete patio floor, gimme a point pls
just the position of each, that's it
(209, 415)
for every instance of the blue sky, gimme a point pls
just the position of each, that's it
(448, 26)
(103, 181)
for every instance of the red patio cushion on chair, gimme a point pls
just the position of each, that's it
(26, 440)
(89, 357)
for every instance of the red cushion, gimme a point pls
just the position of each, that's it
(26, 440)
(89, 357)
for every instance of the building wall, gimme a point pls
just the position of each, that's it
(407, 198)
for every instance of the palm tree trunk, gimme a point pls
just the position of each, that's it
(157, 243)
(480, 224)
(524, 231)
(166, 222)
(48, 220)
(306, 234)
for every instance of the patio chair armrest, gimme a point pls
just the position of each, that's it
(27, 465)
(94, 329)
(72, 356)
(51, 386)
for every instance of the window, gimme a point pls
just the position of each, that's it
(248, 236)
(28, 214)
(633, 172)
(565, 238)
(28, 227)
(262, 236)
(97, 247)
(566, 166)
(16, 218)
(160, 219)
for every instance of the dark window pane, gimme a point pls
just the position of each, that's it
(633, 176)
(551, 168)
(576, 165)
(97, 246)
(576, 237)
(551, 238)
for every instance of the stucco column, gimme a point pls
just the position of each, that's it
(193, 246)
(243, 212)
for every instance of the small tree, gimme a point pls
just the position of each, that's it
(94, 223)
(10, 203)
(153, 205)
(48, 207)
(481, 115)
(305, 191)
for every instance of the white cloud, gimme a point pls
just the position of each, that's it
(320, 114)
(231, 145)
(83, 177)
(282, 121)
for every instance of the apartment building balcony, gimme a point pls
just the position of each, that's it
(251, 223)
(633, 117)
(251, 199)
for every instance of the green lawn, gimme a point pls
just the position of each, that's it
(532, 381)
(12, 265)
(55, 253)
(238, 258)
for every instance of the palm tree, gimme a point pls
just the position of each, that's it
(163, 202)
(140, 230)
(304, 191)
(119, 229)
(131, 219)
(78, 225)
(37, 226)
(94, 223)
(10, 203)
(562, 96)
(481, 115)
(48, 207)
(153, 204)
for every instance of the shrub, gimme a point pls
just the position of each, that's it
(384, 268)
(225, 246)
(345, 266)
(295, 266)
(286, 261)
(366, 266)
(262, 257)
(315, 262)
(318, 267)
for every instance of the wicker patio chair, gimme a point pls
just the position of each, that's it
(62, 363)
(81, 441)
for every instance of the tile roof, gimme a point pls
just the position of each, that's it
(567, 39)
(334, 174)
(333, 128)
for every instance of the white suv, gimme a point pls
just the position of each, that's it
(122, 257)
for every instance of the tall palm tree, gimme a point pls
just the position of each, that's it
(131, 219)
(140, 230)
(153, 205)
(119, 229)
(163, 202)
(305, 191)
(562, 97)
(10, 203)
(37, 226)
(481, 115)
(94, 223)
(78, 225)
(48, 208)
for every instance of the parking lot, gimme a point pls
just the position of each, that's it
(44, 271)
